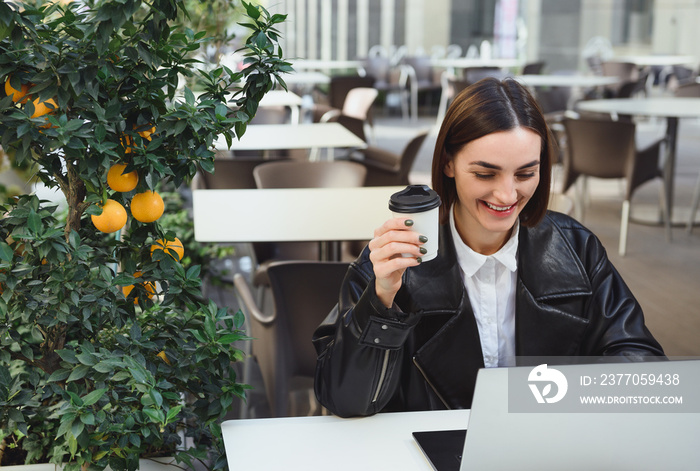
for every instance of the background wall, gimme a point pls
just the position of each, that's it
(553, 30)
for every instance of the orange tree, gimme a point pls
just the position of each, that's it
(88, 375)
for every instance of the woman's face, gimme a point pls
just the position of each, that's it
(495, 175)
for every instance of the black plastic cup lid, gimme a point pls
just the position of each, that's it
(414, 199)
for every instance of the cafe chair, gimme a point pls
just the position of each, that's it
(340, 86)
(451, 86)
(229, 173)
(607, 149)
(422, 78)
(304, 293)
(386, 168)
(626, 72)
(533, 68)
(688, 90)
(388, 79)
(305, 174)
(355, 113)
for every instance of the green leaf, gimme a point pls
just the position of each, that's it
(172, 413)
(155, 415)
(34, 222)
(78, 372)
(209, 327)
(87, 358)
(94, 396)
(6, 252)
(59, 375)
(16, 415)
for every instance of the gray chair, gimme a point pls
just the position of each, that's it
(306, 174)
(354, 113)
(533, 67)
(304, 293)
(626, 72)
(388, 78)
(386, 168)
(607, 149)
(422, 78)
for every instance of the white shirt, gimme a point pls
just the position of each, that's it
(490, 281)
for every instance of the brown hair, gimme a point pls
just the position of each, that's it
(487, 106)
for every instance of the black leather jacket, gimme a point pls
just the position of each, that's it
(424, 353)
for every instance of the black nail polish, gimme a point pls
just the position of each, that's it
(423, 250)
(408, 222)
(419, 260)
(423, 238)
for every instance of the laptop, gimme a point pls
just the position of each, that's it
(541, 435)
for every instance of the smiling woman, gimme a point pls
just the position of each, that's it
(511, 279)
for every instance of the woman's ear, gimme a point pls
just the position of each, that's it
(449, 169)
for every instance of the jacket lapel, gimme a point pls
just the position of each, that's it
(552, 288)
(449, 359)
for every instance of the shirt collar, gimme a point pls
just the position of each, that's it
(472, 261)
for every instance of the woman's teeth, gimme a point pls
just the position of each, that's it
(498, 208)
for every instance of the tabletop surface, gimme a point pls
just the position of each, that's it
(293, 136)
(301, 64)
(280, 98)
(305, 77)
(578, 80)
(380, 442)
(656, 59)
(295, 214)
(666, 107)
(464, 62)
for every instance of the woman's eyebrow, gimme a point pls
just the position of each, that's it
(481, 163)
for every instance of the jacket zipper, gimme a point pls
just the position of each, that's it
(430, 384)
(382, 375)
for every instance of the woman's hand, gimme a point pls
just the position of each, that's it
(393, 239)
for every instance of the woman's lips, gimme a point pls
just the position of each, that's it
(499, 209)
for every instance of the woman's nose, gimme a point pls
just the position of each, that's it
(505, 190)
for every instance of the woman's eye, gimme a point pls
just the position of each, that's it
(483, 176)
(525, 176)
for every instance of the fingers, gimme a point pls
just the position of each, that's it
(396, 237)
(394, 248)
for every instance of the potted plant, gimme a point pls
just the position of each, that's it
(108, 352)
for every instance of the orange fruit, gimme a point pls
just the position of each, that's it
(149, 285)
(112, 219)
(147, 206)
(41, 108)
(169, 247)
(128, 144)
(145, 131)
(120, 181)
(17, 95)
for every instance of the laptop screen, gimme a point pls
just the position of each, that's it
(555, 426)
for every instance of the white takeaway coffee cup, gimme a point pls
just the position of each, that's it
(421, 204)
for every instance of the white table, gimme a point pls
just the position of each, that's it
(576, 80)
(297, 136)
(381, 442)
(661, 60)
(294, 214)
(275, 98)
(670, 108)
(306, 78)
(465, 63)
(321, 64)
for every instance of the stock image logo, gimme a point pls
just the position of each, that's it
(541, 380)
